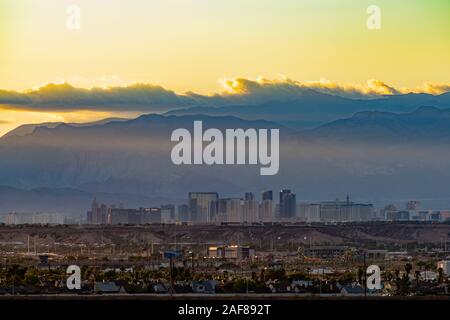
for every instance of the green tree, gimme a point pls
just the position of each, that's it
(440, 275)
(16, 274)
(417, 274)
(360, 275)
(346, 277)
(241, 285)
(408, 268)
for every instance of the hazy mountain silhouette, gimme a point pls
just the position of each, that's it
(29, 128)
(424, 125)
(314, 108)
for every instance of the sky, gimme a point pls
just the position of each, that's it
(192, 45)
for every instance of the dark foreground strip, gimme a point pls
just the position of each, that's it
(213, 307)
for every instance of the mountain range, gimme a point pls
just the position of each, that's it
(313, 108)
(374, 155)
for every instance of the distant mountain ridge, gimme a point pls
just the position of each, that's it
(313, 108)
(371, 155)
(426, 124)
(29, 128)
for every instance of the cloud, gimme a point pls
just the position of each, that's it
(288, 88)
(145, 97)
(64, 97)
(431, 88)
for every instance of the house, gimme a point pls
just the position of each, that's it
(325, 252)
(279, 286)
(321, 271)
(108, 287)
(352, 290)
(428, 275)
(182, 288)
(302, 283)
(25, 289)
(160, 288)
(130, 287)
(207, 286)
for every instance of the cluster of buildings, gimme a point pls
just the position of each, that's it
(231, 252)
(16, 218)
(103, 214)
(209, 208)
(412, 212)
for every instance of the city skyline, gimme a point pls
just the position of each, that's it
(247, 156)
(208, 208)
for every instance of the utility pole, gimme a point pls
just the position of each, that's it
(365, 275)
(246, 280)
(171, 276)
(320, 285)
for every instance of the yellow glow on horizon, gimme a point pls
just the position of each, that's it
(11, 119)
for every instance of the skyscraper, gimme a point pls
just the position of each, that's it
(230, 210)
(249, 196)
(250, 209)
(168, 213)
(267, 195)
(98, 214)
(266, 208)
(287, 204)
(103, 217)
(203, 206)
(183, 213)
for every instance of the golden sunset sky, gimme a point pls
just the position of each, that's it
(189, 45)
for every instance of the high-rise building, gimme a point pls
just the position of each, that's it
(267, 195)
(183, 213)
(309, 212)
(135, 216)
(250, 209)
(356, 212)
(330, 211)
(99, 214)
(168, 213)
(233, 208)
(249, 196)
(120, 216)
(266, 211)
(150, 215)
(104, 210)
(203, 206)
(342, 211)
(287, 204)
(413, 205)
(94, 206)
(89, 217)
